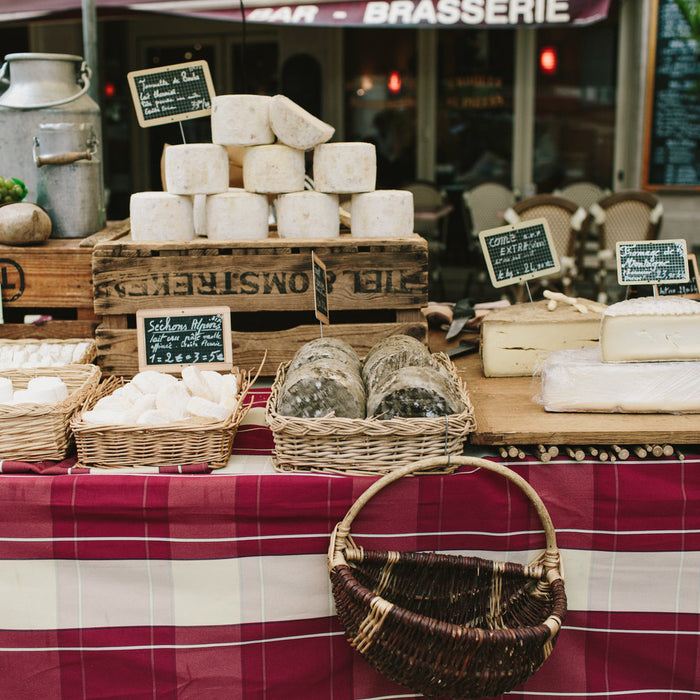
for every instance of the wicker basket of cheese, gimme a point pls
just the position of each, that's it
(47, 352)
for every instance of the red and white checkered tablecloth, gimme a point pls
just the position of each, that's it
(213, 585)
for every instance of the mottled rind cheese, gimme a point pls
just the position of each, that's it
(333, 348)
(516, 339)
(196, 168)
(241, 120)
(392, 354)
(648, 329)
(161, 216)
(296, 127)
(307, 214)
(345, 168)
(382, 214)
(273, 169)
(237, 215)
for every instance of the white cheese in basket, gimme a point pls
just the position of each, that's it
(345, 167)
(161, 216)
(241, 120)
(382, 214)
(307, 214)
(273, 169)
(296, 127)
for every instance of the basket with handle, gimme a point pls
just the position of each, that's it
(448, 625)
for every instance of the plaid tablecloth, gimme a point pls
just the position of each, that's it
(213, 585)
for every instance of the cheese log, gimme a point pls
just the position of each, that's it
(196, 168)
(273, 169)
(241, 120)
(296, 127)
(649, 329)
(382, 214)
(345, 168)
(579, 380)
(516, 339)
(161, 216)
(307, 214)
(237, 215)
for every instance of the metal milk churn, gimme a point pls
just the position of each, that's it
(43, 89)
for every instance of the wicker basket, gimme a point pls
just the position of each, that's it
(183, 442)
(447, 625)
(38, 432)
(87, 356)
(365, 446)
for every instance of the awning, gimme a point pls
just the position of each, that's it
(352, 13)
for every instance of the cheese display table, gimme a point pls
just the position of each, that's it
(164, 584)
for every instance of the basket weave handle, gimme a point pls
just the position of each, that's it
(341, 532)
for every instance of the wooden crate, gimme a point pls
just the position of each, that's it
(376, 288)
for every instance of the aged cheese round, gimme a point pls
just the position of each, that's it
(241, 120)
(391, 354)
(307, 214)
(273, 169)
(331, 348)
(237, 215)
(320, 388)
(296, 127)
(415, 392)
(345, 167)
(196, 168)
(161, 216)
(382, 214)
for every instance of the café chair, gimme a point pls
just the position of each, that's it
(584, 193)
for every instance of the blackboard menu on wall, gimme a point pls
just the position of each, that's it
(672, 157)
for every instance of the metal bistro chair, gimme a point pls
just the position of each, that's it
(566, 221)
(629, 215)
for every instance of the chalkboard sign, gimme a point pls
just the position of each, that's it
(686, 289)
(171, 93)
(519, 252)
(320, 289)
(672, 139)
(171, 339)
(651, 262)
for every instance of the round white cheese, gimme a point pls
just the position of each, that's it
(53, 387)
(307, 214)
(161, 216)
(382, 214)
(296, 127)
(6, 390)
(345, 168)
(241, 120)
(196, 168)
(273, 169)
(237, 215)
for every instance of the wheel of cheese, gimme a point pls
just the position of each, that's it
(237, 215)
(345, 167)
(320, 388)
(196, 168)
(392, 354)
(161, 216)
(241, 120)
(273, 169)
(331, 348)
(307, 214)
(296, 127)
(382, 214)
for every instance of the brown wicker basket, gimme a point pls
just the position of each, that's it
(87, 356)
(38, 432)
(183, 442)
(448, 625)
(365, 446)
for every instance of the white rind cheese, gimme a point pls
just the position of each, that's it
(241, 120)
(649, 329)
(296, 127)
(196, 168)
(273, 169)
(382, 214)
(345, 168)
(516, 339)
(161, 216)
(307, 214)
(237, 215)
(578, 380)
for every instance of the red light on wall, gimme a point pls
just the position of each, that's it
(394, 82)
(109, 90)
(548, 60)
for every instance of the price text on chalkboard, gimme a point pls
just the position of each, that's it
(171, 93)
(651, 262)
(170, 339)
(519, 252)
(685, 289)
(320, 289)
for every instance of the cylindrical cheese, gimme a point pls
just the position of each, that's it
(237, 214)
(382, 214)
(345, 168)
(241, 120)
(273, 169)
(53, 387)
(6, 390)
(196, 168)
(296, 127)
(307, 214)
(161, 216)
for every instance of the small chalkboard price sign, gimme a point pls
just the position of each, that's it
(320, 289)
(652, 262)
(173, 93)
(519, 252)
(688, 289)
(171, 339)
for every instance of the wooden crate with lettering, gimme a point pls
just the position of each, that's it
(376, 288)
